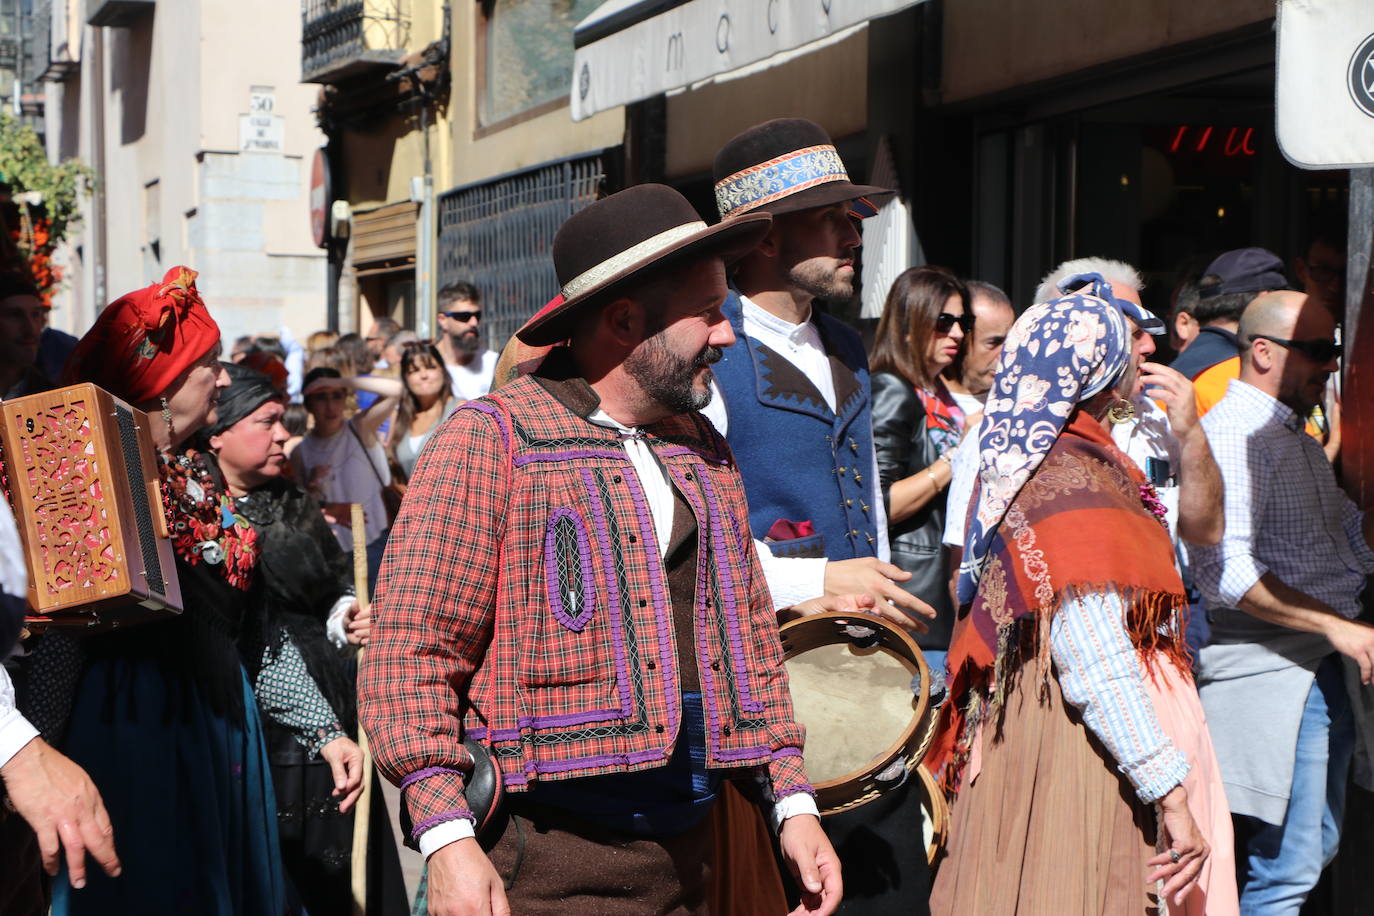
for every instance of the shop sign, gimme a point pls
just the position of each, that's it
(1324, 95)
(627, 51)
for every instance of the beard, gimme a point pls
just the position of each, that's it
(820, 281)
(669, 379)
(466, 343)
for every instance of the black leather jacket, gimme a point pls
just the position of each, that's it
(904, 449)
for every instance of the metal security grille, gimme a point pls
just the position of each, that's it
(498, 236)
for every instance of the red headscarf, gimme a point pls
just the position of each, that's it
(143, 340)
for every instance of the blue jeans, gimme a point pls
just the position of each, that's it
(1282, 864)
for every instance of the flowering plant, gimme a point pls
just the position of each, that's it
(39, 202)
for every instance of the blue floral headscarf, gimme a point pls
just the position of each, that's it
(1057, 355)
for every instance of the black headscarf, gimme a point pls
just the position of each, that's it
(248, 390)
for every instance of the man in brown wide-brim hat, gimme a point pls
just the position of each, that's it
(795, 406)
(570, 589)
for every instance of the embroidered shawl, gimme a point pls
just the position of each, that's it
(1078, 526)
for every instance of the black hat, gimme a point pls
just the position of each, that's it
(628, 236)
(782, 166)
(248, 390)
(1245, 270)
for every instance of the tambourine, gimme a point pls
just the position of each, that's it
(861, 687)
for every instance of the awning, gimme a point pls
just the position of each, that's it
(629, 50)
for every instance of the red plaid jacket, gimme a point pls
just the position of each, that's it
(522, 602)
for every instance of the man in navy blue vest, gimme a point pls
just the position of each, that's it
(794, 404)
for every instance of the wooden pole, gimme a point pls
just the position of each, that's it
(364, 806)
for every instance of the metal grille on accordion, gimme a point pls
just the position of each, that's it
(80, 472)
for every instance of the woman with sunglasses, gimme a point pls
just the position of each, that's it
(916, 427)
(426, 402)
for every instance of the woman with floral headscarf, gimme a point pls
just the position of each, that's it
(1074, 738)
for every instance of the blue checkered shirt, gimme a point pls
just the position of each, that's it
(1285, 513)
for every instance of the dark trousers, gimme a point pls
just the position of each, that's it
(554, 864)
(883, 855)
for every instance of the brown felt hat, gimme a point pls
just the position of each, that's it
(783, 166)
(630, 236)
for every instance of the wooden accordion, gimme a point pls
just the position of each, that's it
(80, 472)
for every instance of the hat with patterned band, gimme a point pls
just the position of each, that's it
(786, 165)
(628, 236)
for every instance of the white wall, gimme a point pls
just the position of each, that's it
(176, 85)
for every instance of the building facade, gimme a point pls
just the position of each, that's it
(450, 146)
(201, 153)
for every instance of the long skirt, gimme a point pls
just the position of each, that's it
(189, 795)
(1047, 826)
(317, 841)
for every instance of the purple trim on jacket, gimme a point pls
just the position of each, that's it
(427, 772)
(573, 621)
(622, 668)
(495, 413)
(540, 457)
(663, 604)
(457, 814)
(730, 587)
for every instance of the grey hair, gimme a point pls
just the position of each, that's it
(1117, 273)
(401, 338)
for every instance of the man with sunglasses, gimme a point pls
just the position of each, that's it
(470, 365)
(1282, 590)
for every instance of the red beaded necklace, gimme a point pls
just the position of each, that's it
(205, 525)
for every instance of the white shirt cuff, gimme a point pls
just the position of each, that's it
(791, 579)
(15, 732)
(334, 625)
(791, 806)
(441, 835)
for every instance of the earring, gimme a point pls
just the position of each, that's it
(166, 414)
(1123, 411)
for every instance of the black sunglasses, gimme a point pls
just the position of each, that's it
(462, 316)
(944, 321)
(1319, 350)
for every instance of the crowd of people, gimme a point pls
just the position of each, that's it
(1136, 584)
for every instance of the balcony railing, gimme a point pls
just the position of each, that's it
(343, 38)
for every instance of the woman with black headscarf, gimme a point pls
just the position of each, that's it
(304, 688)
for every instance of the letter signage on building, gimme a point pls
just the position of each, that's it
(1324, 95)
(626, 53)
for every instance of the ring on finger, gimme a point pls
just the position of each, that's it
(1174, 856)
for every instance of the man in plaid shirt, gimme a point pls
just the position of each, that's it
(1282, 590)
(571, 583)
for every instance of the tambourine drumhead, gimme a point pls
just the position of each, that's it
(855, 698)
(855, 703)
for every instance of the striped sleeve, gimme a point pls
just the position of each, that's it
(1100, 674)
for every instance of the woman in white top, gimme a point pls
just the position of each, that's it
(426, 402)
(341, 460)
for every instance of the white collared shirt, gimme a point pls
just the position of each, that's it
(15, 730)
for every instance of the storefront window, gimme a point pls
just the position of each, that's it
(529, 53)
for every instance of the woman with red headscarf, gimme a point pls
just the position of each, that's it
(163, 717)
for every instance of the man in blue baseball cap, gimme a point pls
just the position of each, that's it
(1230, 283)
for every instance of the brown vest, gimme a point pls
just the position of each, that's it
(680, 563)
